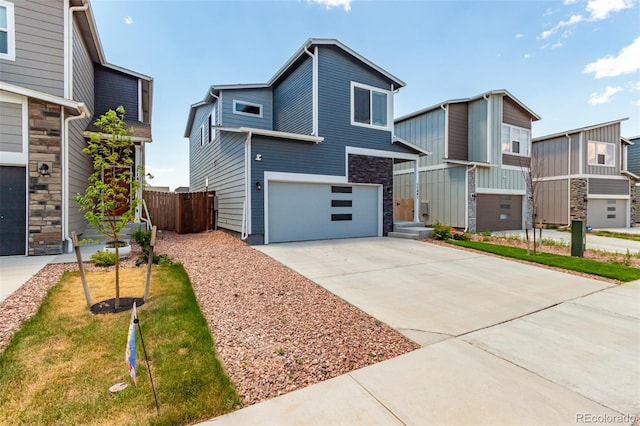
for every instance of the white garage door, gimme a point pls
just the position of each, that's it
(607, 213)
(309, 211)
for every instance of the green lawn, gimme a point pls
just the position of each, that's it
(602, 269)
(59, 366)
(620, 235)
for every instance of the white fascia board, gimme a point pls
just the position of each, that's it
(469, 163)
(607, 197)
(23, 91)
(303, 178)
(410, 145)
(579, 130)
(630, 174)
(380, 153)
(283, 135)
(497, 191)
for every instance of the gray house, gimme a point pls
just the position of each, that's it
(54, 82)
(633, 164)
(308, 155)
(583, 174)
(475, 178)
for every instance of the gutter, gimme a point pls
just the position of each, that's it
(69, 88)
(568, 181)
(314, 91)
(84, 113)
(246, 213)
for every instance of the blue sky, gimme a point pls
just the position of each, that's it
(573, 62)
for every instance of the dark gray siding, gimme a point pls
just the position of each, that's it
(39, 63)
(255, 96)
(292, 101)
(458, 131)
(10, 127)
(199, 157)
(513, 114)
(113, 89)
(609, 186)
(633, 162)
(80, 166)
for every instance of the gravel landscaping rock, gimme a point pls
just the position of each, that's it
(275, 331)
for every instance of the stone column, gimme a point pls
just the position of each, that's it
(367, 169)
(472, 200)
(578, 199)
(635, 203)
(45, 192)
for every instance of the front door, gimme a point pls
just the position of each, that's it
(122, 197)
(13, 211)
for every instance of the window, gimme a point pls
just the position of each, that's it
(601, 153)
(247, 108)
(370, 106)
(515, 140)
(7, 31)
(210, 123)
(202, 135)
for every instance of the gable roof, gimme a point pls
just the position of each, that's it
(502, 92)
(578, 130)
(214, 90)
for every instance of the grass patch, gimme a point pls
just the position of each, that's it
(60, 364)
(620, 235)
(608, 270)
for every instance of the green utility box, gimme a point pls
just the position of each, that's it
(578, 238)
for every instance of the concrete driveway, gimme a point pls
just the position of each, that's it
(503, 342)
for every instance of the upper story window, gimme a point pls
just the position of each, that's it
(601, 153)
(247, 108)
(370, 106)
(7, 31)
(202, 135)
(515, 140)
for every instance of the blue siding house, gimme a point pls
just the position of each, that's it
(481, 150)
(308, 155)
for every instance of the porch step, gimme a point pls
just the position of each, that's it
(410, 230)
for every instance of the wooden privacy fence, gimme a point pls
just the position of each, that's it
(183, 212)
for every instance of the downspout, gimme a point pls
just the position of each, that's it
(466, 192)
(73, 9)
(445, 108)
(314, 89)
(246, 213)
(84, 113)
(489, 124)
(569, 181)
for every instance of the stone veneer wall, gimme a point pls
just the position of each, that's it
(366, 169)
(472, 201)
(578, 199)
(635, 204)
(45, 192)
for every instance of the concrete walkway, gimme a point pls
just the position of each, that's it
(503, 342)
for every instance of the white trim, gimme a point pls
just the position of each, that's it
(315, 92)
(17, 158)
(526, 146)
(66, 47)
(470, 163)
(416, 199)
(248, 196)
(23, 91)
(11, 32)
(624, 157)
(489, 127)
(446, 130)
(613, 160)
(410, 145)
(581, 160)
(371, 89)
(515, 168)
(498, 191)
(424, 169)
(579, 130)
(607, 197)
(380, 153)
(272, 133)
(612, 177)
(238, 101)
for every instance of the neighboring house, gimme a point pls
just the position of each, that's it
(633, 164)
(308, 155)
(475, 178)
(583, 174)
(54, 82)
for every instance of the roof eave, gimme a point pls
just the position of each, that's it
(578, 130)
(417, 149)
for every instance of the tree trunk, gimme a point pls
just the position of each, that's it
(117, 304)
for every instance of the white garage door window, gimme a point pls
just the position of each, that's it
(310, 211)
(607, 213)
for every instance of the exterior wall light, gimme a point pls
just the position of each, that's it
(44, 169)
(258, 185)
(473, 195)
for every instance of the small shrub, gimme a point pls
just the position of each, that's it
(103, 258)
(486, 233)
(143, 238)
(442, 232)
(461, 236)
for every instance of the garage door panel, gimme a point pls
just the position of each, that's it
(306, 211)
(498, 212)
(607, 213)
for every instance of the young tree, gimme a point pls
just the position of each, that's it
(531, 175)
(109, 201)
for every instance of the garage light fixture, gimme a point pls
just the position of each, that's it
(44, 169)
(473, 195)
(258, 185)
